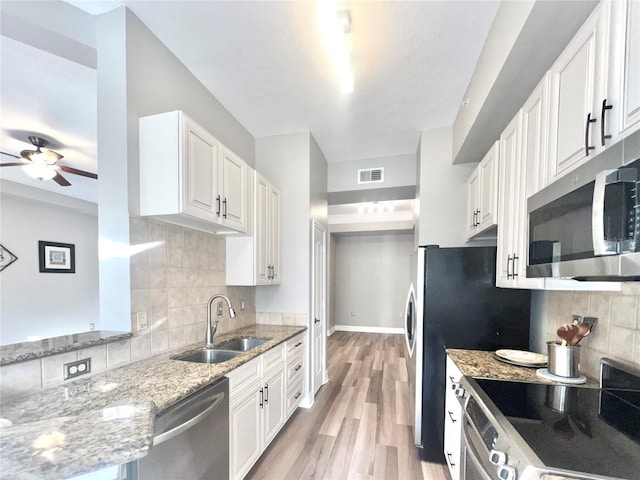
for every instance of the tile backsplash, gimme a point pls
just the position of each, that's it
(172, 280)
(617, 334)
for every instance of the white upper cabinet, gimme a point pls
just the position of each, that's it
(624, 72)
(578, 88)
(234, 192)
(256, 260)
(188, 177)
(482, 194)
(509, 202)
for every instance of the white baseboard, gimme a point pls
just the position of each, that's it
(331, 331)
(363, 329)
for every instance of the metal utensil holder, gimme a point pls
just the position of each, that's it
(564, 360)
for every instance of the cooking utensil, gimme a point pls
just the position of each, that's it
(583, 331)
(567, 332)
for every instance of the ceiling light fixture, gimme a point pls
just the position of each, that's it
(335, 26)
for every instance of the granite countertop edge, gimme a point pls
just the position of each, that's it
(108, 418)
(24, 351)
(483, 364)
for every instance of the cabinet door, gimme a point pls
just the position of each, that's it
(234, 191)
(577, 86)
(508, 200)
(630, 101)
(261, 231)
(275, 234)
(473, 186)
(200, 172)
(531, 176)
(274, 404)
(245, 433)
(488, 195)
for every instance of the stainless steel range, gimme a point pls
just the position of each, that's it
(526, 431)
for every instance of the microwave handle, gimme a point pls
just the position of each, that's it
(601, 246)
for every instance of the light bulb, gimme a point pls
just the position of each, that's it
(39, 171)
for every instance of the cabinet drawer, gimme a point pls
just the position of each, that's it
(294, 395)
(295, 346)
(243, 376)
(272, 358)
(453, 372)
(295, 369)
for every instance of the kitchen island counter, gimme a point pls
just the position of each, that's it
(108, 418)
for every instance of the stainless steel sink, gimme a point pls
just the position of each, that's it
(242, 344)
(209, 355)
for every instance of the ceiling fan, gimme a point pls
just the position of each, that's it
(43, 164)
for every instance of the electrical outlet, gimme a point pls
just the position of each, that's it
(141, 318)
(219, 309)
(92, 326)
(75, 369)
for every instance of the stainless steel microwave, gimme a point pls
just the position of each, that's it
(586, 225)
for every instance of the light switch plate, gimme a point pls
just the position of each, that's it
(142, 321)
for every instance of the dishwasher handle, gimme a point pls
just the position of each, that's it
(163, 437)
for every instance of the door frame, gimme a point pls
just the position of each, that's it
(318, 232)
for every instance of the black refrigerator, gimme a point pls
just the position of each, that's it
(456, 305)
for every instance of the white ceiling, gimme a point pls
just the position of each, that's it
(45, 95)
(266, 62)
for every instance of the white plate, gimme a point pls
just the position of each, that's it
(521, 356)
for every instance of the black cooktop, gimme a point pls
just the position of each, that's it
(576, 428)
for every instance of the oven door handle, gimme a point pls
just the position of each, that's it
(470, 453)
(601, 246)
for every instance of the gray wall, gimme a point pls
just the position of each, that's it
(284, 159)
(46, 304)
(139, 76)
(331, 297)
(371, 279)
(399, 171)
(443, 191)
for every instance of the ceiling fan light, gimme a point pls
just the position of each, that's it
(38, 171)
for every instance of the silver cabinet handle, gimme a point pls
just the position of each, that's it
(297, 344)
(316, 320)
(508, 262)
(224, 207)
(451, 416)
(261, 398)
(449, 455)
(298, 368)
(297, 395)
(266, 394)
(515, 259)
(218, 205)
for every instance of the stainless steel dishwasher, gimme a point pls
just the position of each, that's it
(192, 439)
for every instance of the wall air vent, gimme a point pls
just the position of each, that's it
(371, 175)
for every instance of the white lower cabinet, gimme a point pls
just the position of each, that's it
(452, 421)
(263, 394)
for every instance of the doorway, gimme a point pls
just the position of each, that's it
(318, 342)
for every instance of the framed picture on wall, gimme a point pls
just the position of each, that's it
(57, 257)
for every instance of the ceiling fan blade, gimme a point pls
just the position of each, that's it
(75, 171)
(60, 180)
(12, 164)
(10, 154)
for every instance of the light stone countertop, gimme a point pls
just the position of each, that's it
(108, 419)
(483, 364)
(20, 352)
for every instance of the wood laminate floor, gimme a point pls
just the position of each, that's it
(360, 424)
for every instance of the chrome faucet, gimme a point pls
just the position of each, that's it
(213, 326)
